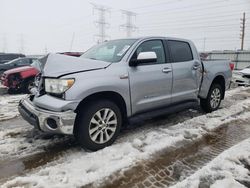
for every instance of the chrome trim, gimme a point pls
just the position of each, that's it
(65, 120)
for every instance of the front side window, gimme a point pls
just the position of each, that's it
(111, 51)
(152, 46)
(180, 51)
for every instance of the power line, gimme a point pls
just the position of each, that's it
(129, 26)
(192, 27)
(101, 22)
(172, 2)
(242, 36)
(197, 6)
(191, 21)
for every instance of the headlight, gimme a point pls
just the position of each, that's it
(58, 86)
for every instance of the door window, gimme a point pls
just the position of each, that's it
(180, 51)
(152, 46)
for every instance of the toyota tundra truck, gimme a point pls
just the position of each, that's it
(93, 96)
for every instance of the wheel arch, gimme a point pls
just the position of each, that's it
(109, 95)
(219, 79)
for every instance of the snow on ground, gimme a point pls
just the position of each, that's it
(24, 141)
(8, 106)
(226, 170)
(78, 168)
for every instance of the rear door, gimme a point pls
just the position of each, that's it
(186, 71)
(150, 83)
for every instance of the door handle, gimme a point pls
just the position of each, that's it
(166, 70)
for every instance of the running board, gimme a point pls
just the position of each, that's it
(163, 111)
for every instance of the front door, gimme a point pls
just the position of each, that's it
(150, 83)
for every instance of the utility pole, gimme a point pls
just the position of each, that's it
(21, 50)
(129, 26)
(72, 41)
(101, 22)
(4, 44)
(242, 35)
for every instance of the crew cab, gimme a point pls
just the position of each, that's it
(93, 96)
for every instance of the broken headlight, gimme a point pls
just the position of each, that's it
(58, 86)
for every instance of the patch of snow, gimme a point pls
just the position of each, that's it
(81, 168)
(8, 106)
(227, 183)
(224, 170)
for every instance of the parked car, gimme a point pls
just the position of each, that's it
(6, 57)
(21, 79)
(93, 96)
(242, 77)
(19, 62)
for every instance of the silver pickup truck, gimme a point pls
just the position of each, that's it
(94, 95)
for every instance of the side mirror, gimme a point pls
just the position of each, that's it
(144, 57)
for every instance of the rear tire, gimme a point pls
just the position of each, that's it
(213, 100)
(97, 124)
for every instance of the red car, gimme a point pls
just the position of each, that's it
(21, 79)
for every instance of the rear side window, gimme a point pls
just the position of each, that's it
(180, 51)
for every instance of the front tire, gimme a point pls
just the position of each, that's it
(28, 85)
(213, 100)
(98, 124)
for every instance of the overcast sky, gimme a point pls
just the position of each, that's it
(39, 26)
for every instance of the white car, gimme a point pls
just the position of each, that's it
(242, 78)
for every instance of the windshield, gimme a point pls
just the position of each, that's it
(36, 64)
(13, 61)
(112, 51)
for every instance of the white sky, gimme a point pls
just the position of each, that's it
(34, 26)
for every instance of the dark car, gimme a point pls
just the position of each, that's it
(20, 62)
(5, 57)
(21, 79)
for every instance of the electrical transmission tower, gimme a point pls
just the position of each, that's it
(129, 26)
(101, 22)
(242, 35)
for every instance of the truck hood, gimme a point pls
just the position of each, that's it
(18, 70)
(58, 65)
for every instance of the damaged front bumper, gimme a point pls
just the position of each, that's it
(45, 120)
